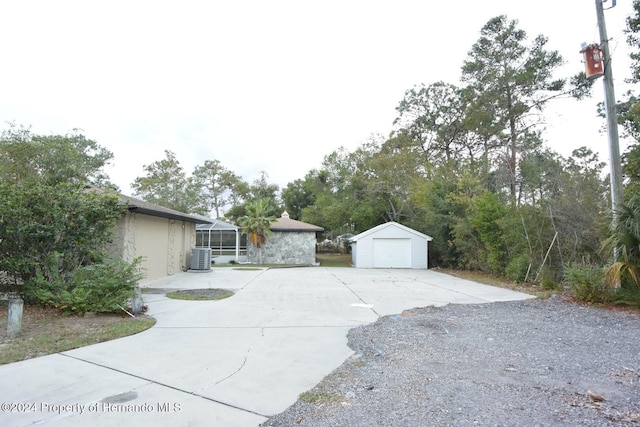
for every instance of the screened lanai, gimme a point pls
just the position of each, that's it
(225, 240)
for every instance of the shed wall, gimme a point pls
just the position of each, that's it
(363, 249)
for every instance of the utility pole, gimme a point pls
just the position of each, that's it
(612, 118)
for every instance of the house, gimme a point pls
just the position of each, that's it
(390, 245)
(163, 237)
(292, 242)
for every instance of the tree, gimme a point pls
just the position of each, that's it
(51, 159)
(166, 184)
(633, 40)
(486, 213)
(625, 240)
(261, 189)
(256, 224)
(298, 195)
(316, 184)
(54, 228)
(237, 200)
(434, 116)
(386, 172)
(215, 184)
(243, 194)
(629, 109)
(510, 82)
(345, 201)
(631, 170)
(438, 212)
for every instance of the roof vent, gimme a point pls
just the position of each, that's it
(285, 214)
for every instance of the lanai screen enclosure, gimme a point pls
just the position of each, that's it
(225, 240)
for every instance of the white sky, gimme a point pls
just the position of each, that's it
(264, 85)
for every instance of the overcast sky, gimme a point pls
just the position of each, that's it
(264, 85)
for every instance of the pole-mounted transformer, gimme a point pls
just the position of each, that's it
(593, 64)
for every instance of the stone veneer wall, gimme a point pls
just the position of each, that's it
(297, 248)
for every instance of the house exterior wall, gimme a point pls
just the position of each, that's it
(298, 248)
(362, 250)
(164, 244)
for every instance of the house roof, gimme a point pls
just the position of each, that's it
(284, 223)
(140, 206)
(386, 225)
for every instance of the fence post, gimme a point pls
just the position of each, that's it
(14, 319)
(136, 303)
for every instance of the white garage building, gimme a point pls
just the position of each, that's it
(390, 245)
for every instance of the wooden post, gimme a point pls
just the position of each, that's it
(136, 303)
(14, 320)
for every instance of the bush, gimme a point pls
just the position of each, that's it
(587, 284)
(547, 280)
(41, 222)
(628, 297)
(102, 288)
(517, 269)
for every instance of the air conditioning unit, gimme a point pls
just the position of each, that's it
(201, 259)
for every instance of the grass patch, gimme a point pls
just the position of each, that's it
(334, 260)
(46, 331)
(201, 294)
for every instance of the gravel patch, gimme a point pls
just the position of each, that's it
(534, 363)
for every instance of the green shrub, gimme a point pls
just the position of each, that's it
(517, 268)
(587, 284)
(54, 230)
(628, 297)
(548, 280)
(100, 288)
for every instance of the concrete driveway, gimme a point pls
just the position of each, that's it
(232, 362)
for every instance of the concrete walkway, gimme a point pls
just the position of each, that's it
(232, 362)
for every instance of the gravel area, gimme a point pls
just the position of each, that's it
(534, 363)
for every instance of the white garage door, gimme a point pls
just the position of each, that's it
(392, 253)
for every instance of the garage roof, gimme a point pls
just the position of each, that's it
(389, 224)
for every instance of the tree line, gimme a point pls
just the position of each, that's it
(466, 164)
(469, 166)
(211, 190)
